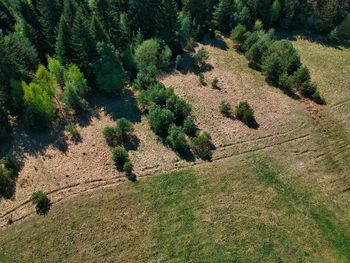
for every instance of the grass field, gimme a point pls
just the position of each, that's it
(276, 194)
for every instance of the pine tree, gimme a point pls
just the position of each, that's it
(69, 11)
(222, 17)
(98, 31)
(170, 24)
(84, 46)
(48, 16)
(109, 71)
(7, 20)
(63, 43)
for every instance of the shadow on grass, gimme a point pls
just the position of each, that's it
(217, 42)
(311, 37)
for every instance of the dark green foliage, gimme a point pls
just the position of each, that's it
(223, 16)
(110, 134)
(180, 108)
(144, 80)
(239, 33)
(245, 113)
(120, 157)
(7, 20)
(178, 62)
(189, 127)
(151, 57)
(201, 57)
(75, 89)
(42, 202)
(225, 109)
(98, 31)
(6, 178)
(177, 139)
(64, 47)
(272, 67)
(201, 146)
(110, 75)
(160, 119)
(39, 106)
(256, 52)
(83, 43)
(120, 134)
(128, 169)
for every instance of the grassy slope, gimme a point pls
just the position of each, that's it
(257, 208)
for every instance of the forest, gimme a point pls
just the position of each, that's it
(57, 54)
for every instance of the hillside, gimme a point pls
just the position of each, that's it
(276, 192)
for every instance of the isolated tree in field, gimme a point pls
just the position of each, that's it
(245, 113)
(110, 75)
(42, 202)
(225, 109)
(75, 89)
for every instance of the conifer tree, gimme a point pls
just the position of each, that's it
(98, 31)
(170, 24)
(63, 43)
(222, 17)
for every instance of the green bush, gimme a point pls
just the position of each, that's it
(110, 134)
(225, 109)
(256, 52)
(201, 57)
(124, 130)
(120, 157)
(39, 106)
(190, 127)
(75, 89)
(42, 202)
(144, 80)
(180, 108)
(160, 119)
(272, 67)
(245, 113)
(215, 84)
(151, 53)
(6, 181)
(239, 33)
(73, 131)
(110, 75)
(128, 168)
(177, 139)
(201, 146)
(258, 25)
(57, 69)
(178, 62)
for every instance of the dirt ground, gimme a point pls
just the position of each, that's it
(64, 169)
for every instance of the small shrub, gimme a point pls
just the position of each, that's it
(316, 97)
(190, 127)
(178, 62)
(179, 107)
(144, 80)
(124, 130)
(120, 157)
(202, 79)
(245, 113)
(201, 57)
(128, 169)
(201, 145)
(177, 139)
(6, 181)
(225, 109)
(73, 131)
(215, 83)
(42, 202)
(160, 119)
(110, 135)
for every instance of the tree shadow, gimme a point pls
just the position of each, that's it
(311, 37)
(119, 106)
(188, 65)
(253, 124)
(217, 42)
(133, 143)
